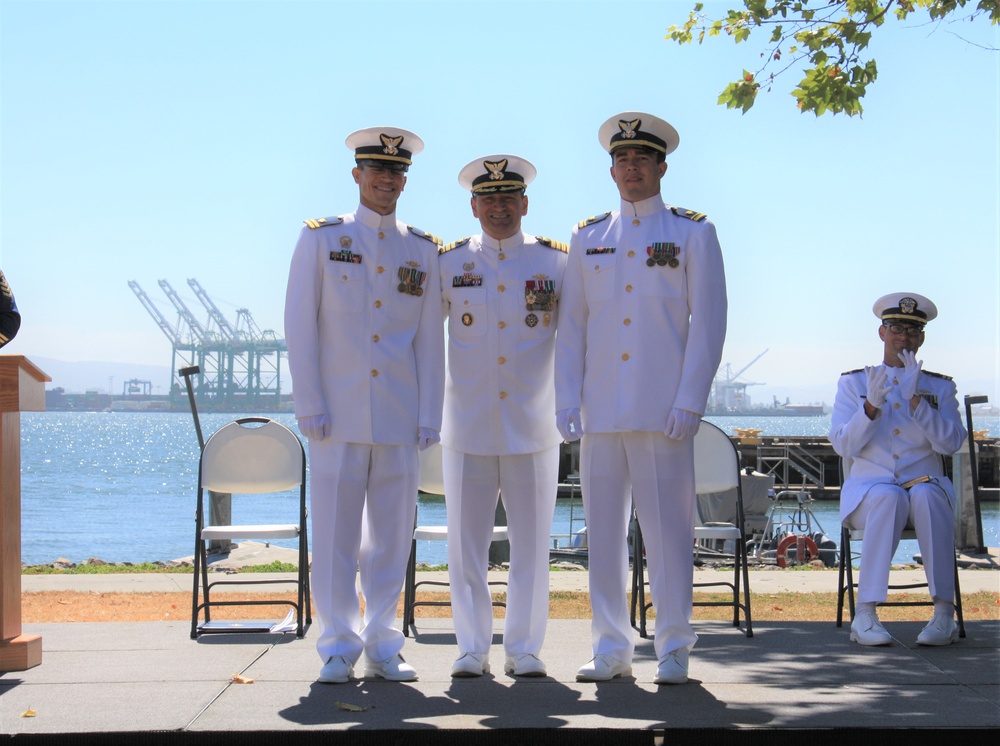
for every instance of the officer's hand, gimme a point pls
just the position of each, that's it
(427, 437)
(682, 424)
(878, 385)
(910, 375)
(569, 424)
(314, 426)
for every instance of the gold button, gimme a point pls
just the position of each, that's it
(500, 256)
(896, 431)
(895, 382)
(502, 324)
(627, 322)
(380, 269)
(375, 338)
(378, 304)
(374, 374)
(896, 405)
(628, 288)
(596, 267)
(501, 288)
(895, 456)
(631, 254)
(635, 221)
(344, 278)
(503, 394)
(501, 360)
(625, 356)
(381, 234)
(465, 303)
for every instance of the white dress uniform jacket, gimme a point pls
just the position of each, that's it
(637, 340)
(896, 446)
(364, 328)
(499, 390)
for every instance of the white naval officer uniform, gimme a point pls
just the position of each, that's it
(499, 432)
(892, 449)
(366, 347)
(635, 341)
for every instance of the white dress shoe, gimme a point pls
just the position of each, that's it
(866, 629)
(603, 668)
(525, 664)
(337, 670)
(469, 665)
(940, 630)
(673, 669)
(391, 669)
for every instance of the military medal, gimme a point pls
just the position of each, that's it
(547, 320)
(539, 295)
(531, 320)
(410, 280)
(345, 256)
(467, 280)
(467, 319)
(661, 254)
(345, 242)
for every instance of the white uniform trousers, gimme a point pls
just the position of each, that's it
(658, 474)
(527, 484)
(362, 505)
(883, 513)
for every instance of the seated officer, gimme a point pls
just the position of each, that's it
(894, 422)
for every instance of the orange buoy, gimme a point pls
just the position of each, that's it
(805, 549)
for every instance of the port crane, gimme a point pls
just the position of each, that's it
(240, 365)
(728, 393)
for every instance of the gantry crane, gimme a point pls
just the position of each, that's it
(728, 394)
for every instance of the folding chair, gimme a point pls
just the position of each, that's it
(716, 470)
(251, 456)
(432, 482)
(845, 576)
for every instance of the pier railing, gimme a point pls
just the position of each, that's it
(781, 459)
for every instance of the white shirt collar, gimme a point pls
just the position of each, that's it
(643, 207)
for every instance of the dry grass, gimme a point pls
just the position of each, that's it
(76, 606)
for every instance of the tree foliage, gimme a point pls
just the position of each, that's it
(830, 36)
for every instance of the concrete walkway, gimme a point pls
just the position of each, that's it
(151, 677)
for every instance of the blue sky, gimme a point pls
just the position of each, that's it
(174, 140)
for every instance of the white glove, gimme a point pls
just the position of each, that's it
(878, 385)
(427, 437)
(682, 424)
(314, 426)
(569, 424)
(910, 375)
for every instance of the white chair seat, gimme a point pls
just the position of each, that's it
(272, 531)
(440, 533)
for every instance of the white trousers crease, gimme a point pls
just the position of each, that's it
(527, 484)
(658, 474)
(362, 503)
(883, 513)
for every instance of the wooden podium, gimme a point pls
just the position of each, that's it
(22, 389)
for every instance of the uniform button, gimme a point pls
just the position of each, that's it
(344, 278)
(501, 360)
(628, 288)
(625, 356)
(375, 338)
(503, 394)
(627, 322)
(381, 234)
(501, 288)
(378, 304)
(896, 405)
(465, 303)
(635, 221)
(374, 374)
(631, 254)
(502, 324)
(895, 456)
(380, 270)
(896, 431)
(596, 268)
(501, 256)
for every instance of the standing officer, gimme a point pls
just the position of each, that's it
(893, 422)
(500, 292)
(640, 340)
(366, 353)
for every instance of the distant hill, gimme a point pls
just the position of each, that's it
(106, 377)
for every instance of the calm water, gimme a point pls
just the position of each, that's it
(121, 486)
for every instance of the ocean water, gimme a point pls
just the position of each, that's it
(121, 486)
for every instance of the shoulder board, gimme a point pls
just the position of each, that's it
(454, 245)
(323, 222)
(427, 236)
(852, 372)
(937, 375)
(593, 219)
(689, 214)
(557, 245)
